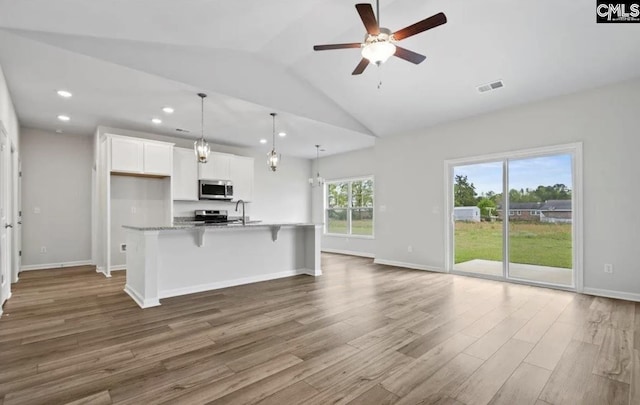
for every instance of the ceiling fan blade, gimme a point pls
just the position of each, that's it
(364, 62)
(409, 56)
(368, 18)
(420, 26)
(336, 46)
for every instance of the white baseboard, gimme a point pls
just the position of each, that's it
(142, 303)
(48, 266)
(118, 267)
(414, 266)
(349, 252)
(231, 283)
(612, 294)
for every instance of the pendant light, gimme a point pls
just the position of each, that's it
(318, 181)
(201, 147)
(272, 157)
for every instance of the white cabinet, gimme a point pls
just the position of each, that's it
(216, 168)
(140, 156)
(241, 174)
(126, 155)
(185, 175)
(158, 158)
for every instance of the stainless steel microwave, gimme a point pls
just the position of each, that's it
(215, 190)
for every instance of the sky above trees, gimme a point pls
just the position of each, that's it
(523, 173)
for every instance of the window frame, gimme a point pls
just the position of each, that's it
(349, 208)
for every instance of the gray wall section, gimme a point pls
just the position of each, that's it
(56, 178)
(136, 201)
(410, 174)
(342, 166)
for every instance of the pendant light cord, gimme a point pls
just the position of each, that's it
(202, 97)
(274, 130)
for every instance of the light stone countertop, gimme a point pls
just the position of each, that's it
(235, 226)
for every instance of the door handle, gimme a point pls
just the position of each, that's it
(8, 226)
(19, 222)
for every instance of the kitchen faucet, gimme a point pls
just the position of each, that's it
(244, 219)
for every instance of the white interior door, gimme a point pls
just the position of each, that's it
(16, 212)
(4, 268)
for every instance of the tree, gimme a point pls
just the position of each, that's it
(464, 193)
(487, 207)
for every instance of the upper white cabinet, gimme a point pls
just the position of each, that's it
(158, 158)
(126, 155)
(141, 156)
(241, 172)
(185, 175)
(216, 168)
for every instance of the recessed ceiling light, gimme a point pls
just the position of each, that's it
(156, 121)
(282, 134)
(64, 118)
(64, 93)
(168, 110)
(263, 141)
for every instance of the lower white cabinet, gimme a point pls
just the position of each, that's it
(241, 172)
(185, 175)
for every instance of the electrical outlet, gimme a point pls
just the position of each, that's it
(608, 268)
(123, 247)
(43, 249)
(410, 249)
(36, 210)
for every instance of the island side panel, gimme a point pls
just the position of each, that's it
(228, 257)
(312, 235)
(142, 267)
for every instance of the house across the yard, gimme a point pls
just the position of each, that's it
(554, 211)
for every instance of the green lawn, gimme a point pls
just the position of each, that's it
(358, 227)
(530, 243)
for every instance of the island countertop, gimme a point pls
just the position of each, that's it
(218, 226)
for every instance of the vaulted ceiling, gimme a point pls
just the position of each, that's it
(125, 60)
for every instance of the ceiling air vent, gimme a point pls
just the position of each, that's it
(490, 86)
(185, 131)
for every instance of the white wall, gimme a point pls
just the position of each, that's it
(343, 166)
(136, 201)
(410, 176)
(56, 178)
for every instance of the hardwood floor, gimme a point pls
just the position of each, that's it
(360, 334)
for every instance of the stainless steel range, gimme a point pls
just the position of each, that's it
(211, 216)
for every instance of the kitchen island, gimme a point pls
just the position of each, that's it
(168, 261)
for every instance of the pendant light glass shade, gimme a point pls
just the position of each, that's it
(201, 147)
(317, 181)
(202, 150)
(273, 158)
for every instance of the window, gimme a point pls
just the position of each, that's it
(349, 207)
(518, 212)
(511, 212)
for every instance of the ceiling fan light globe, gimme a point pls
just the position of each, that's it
(378, 52)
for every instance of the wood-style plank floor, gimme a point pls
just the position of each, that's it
(360, 334)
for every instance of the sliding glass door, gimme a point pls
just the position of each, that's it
(540, 219)
(514, 217)
(478, 235)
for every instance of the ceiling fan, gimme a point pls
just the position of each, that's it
(380, 43)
